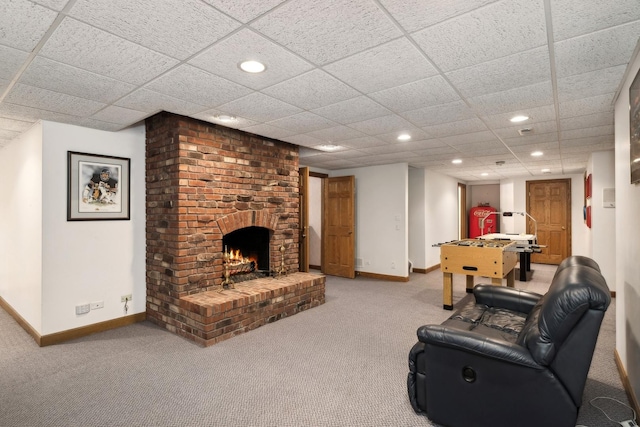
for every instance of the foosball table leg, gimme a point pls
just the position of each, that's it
(470, 284)
(447, 291)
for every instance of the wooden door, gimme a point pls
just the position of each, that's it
(549, 203)
(338, 229)
(304, 220)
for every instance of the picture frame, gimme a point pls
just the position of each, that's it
(98, 187)
(634, 129)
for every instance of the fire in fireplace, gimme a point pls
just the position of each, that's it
(247, 253)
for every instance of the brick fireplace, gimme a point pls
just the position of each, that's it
(207, 184)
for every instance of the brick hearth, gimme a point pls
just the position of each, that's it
(203, 182)
(216, 316)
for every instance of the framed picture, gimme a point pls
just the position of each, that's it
(634, 121)
(97, 187)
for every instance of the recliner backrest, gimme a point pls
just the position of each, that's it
(574, 290)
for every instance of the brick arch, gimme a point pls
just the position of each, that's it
(238, 220)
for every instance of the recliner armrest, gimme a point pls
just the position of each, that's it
(506, 298)
(475, 343)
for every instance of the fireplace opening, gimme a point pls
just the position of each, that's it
(247, 253)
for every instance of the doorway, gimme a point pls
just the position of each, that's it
(549, 203)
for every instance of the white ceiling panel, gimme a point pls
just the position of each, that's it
(223, 59)
(345, 27)
(351, 72)
(311, 90)
(422, 93)
(494, 31)
(47, 74)
(156, 25)
(383, 67)
(197, 86)
(86, 47)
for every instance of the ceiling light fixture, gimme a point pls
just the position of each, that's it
(456, 161)
(484, 174)
(537, 153)
(404, 137)
(545, 170)
(518, 119)
(329, 147)
(252, 66)
(225, 118)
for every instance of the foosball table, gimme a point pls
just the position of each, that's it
(471, 257)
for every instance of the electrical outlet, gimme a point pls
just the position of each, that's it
(125, 298)
(96, 305)
(83, 308)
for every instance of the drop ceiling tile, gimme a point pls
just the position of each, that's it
(438, 153)
(210, 116)
(8, 134)
(14, 125)
(52, 4)
(499, 29)
(364, 142)
(573, 18)
(23, 24)
(311, 90)
(580, 144)
(469, 138)
(352, 110)
(244, 11)
(95, 124)
(382, 125)
(339, 164)
(25, 113)
(119, 115)
(542, 146)
(268, 131)
(91, 49)
(382, 149)
(455, 128)
(151, 102)
(593, 83)
(422, 93)
(304, 140)
(43, 99)
(446, 113)
(194, 85)
(12, 60)
(303, 122)
(536, 115)
(383, 67)
(336, 134)
(416, 135)
(157, 24)
(536, 138)
(345, 27)
(538, 128)
(587, 132)
(520, 98)
(602, 49)
(482, 148)
(519, 69)
(586, 150)
(259, 107)
(417, 14)
(599, 119)
(223, 59)
(47, 74)
(586, 106)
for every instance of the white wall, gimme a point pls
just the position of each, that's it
(417, 218)
(381, 218)
(21, 224)
(627, 239)
(602, 232)
(441, 213)
(51, 265)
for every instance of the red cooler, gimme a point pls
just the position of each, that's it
(475, 215)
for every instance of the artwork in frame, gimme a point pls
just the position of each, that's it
(634, 121)
(97, 187)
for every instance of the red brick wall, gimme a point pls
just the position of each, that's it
(203, 181)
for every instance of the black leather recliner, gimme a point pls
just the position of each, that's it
(512, 357)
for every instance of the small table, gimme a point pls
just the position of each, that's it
(525, 256)
(473, 257)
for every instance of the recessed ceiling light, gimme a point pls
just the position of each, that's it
(518, 119)
(636, 160)
(484, 174)
(456, 161)
(329, 147)
(404, 137)
(225, 118)
(536, 153)
(252, 66)
(545, 170)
